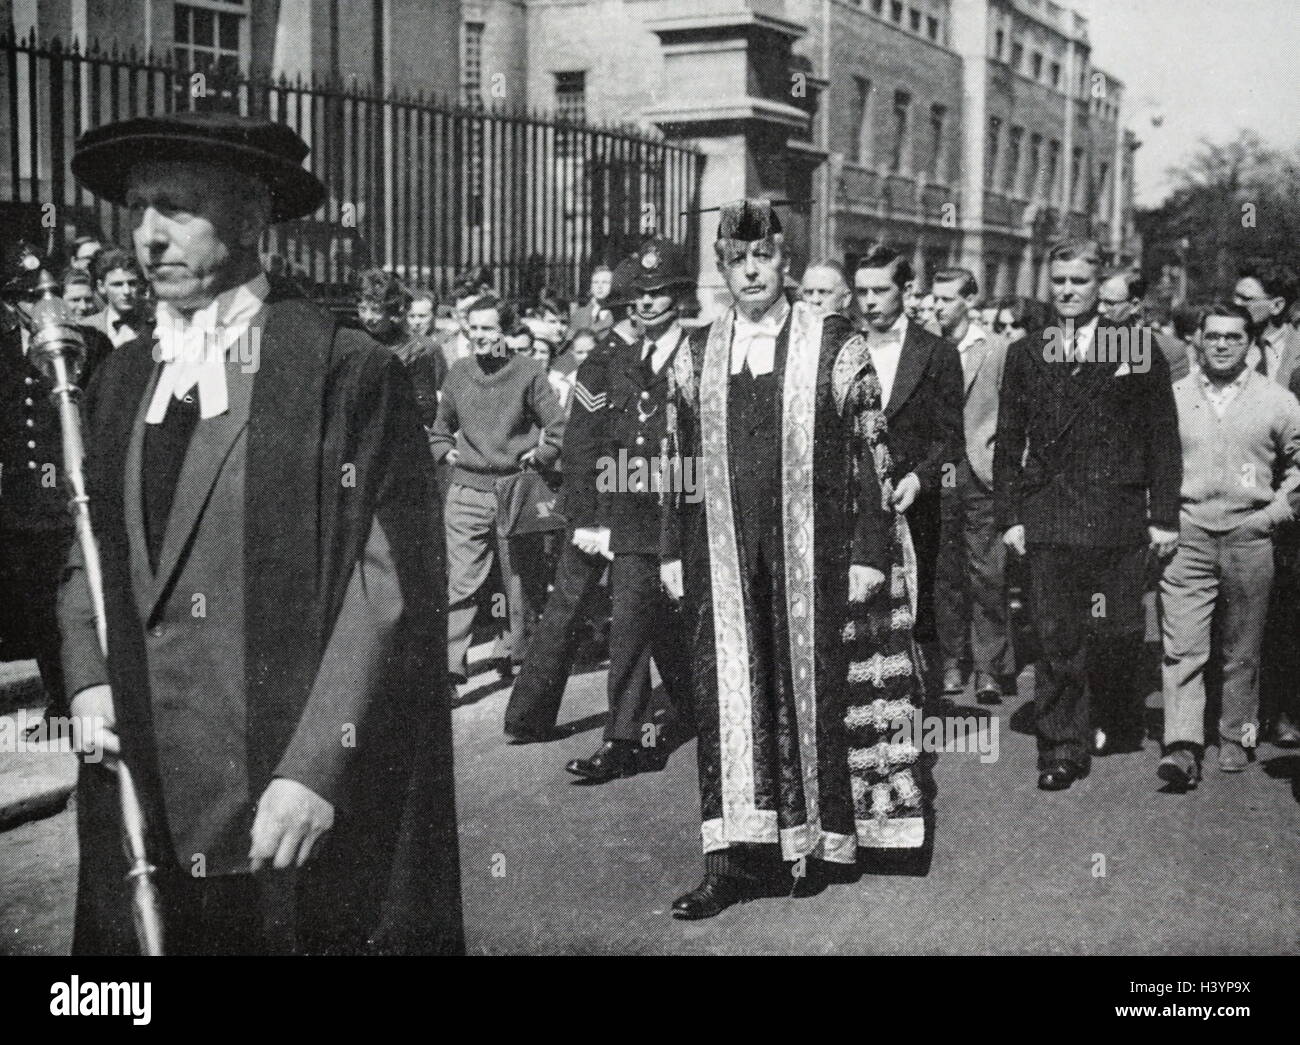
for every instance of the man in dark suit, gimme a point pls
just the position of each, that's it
(595, 315)
(1086, 474)
(267, 518)
(121, 287)
(923, 393)
(35, 527)
(622, 396)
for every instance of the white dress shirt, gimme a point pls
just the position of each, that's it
(886, 350)
(755, 343)
(659, 350)
(193, 351)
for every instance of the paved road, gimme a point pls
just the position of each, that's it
(550, 866)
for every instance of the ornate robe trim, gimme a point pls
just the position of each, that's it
(799, 405)
(880, 714)
(903, 832)
(741, 821)
(879, 668)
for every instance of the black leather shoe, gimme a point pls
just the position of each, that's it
(710, 898)
(1060, 776)
(987, 690)
(1286, 733)
(614, 759)
(1180, 769)
(503, 667)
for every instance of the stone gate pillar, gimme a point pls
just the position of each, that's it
(733, 88)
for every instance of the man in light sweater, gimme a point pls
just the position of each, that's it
(1239, 432)
(492, 406)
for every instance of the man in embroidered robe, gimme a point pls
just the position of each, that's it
(768, 560)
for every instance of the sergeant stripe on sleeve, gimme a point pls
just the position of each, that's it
(590, 402)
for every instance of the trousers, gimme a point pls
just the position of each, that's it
(970, 589)
(470, 522)
(645, 623)
(1087, 607)
(539, 689)
(1213, 579)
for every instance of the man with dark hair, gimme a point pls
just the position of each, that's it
(1122, 296)
(1240, 435)
(497, 416)
(1086, 472)
(1266, 289)
(421, 310)
(382, 304)
(268, 523)
(922, 392)
(970, 591)
(84, 251)
(121, 287)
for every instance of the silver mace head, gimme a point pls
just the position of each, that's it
(55, 333)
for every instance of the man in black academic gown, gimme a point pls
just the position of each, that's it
(272, 552)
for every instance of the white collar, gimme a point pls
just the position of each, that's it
(974, 333)
(769, 323)
(193, 350)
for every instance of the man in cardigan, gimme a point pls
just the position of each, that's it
(1086, 470)
(494, 405)
(1241, 480)
(267, 519)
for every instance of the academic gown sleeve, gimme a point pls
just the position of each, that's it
(325, 740)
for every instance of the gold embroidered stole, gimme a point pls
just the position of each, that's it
(742, 821)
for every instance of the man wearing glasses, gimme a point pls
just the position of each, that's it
(1238, 431)
(1266, 290)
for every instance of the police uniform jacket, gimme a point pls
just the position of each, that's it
(613, 466)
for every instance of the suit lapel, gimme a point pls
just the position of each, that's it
(211, 445)
(912, 361)
(977, 353)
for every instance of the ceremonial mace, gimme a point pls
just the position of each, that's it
(59, 350)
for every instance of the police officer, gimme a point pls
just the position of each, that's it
(35, 526)
(576, 594)
(623, 395)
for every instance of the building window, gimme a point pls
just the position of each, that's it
(877, 6)
(938, 117)
(1036, 63)
(861, 120)
(932, 27)
(994, 147)
(1017, 56)
(902, 105)
(1103, 186)
(1014, 148)
(1076, 175)
(1053, 165)
(914, 16)
(1035, 166)
(571, 97)
(471, 63)
(999, 38)
(211, 34)
(1056, 74)
(896, 10)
